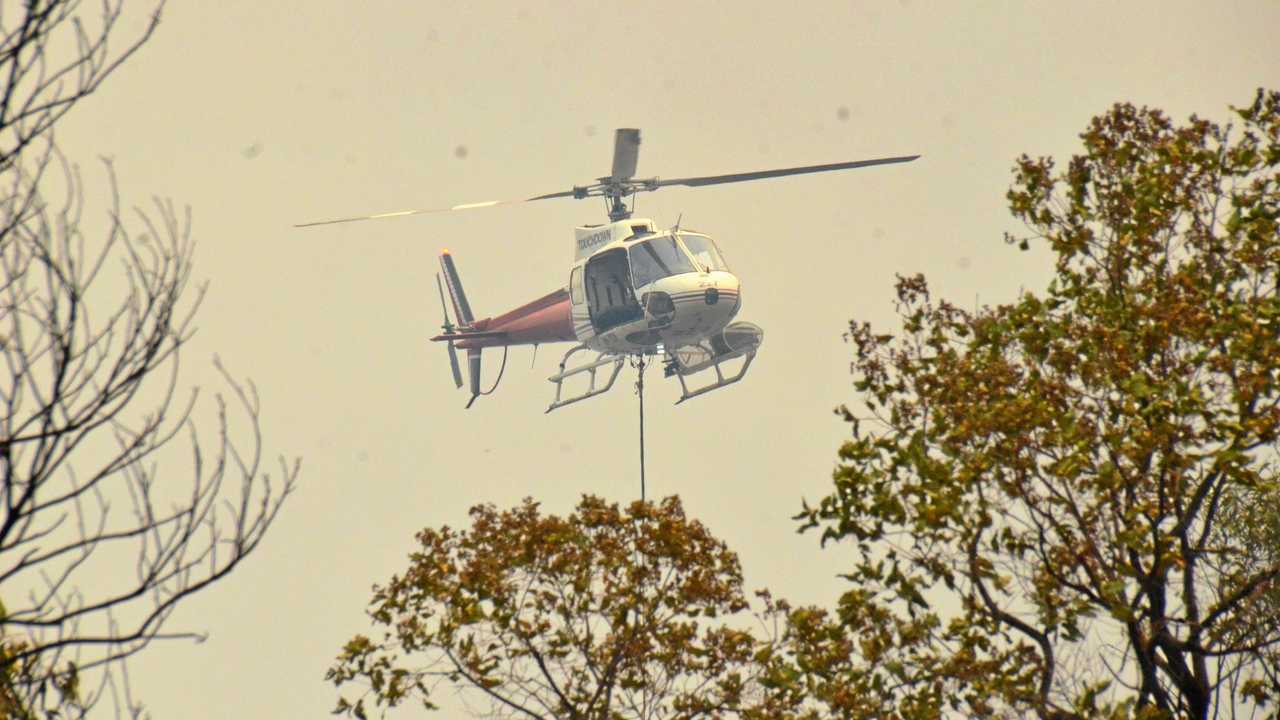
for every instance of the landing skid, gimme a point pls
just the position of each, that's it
(602, 360)
(739, 340)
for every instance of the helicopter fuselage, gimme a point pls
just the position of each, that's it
(632, 290)
(635, 290)
(674, 311)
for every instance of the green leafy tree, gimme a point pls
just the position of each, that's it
(1049, 499)
(605, 614)
(1252, 522)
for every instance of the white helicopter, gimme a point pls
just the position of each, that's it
(634, 290)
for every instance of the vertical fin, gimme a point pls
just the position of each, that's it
(473, 366)
(461, 308)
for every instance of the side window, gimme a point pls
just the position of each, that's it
(576, 295)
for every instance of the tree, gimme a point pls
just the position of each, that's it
(98, 545)
(1045, 496)
(606, 614)
(51, 59)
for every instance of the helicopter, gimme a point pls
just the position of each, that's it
(635, 290)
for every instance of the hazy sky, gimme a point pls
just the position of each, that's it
(261, 115)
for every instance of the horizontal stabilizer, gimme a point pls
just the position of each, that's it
(470, 335)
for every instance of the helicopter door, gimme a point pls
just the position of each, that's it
(581, 314)
(610, 297)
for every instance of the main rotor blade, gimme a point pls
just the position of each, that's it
(626, 147)
(762, 174)
(465, 206)
(548, 196)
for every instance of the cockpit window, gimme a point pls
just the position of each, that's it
(704, 250)
(658, 258)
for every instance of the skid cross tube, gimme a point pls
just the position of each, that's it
(601, 360)
(721, 380)
(749, 338)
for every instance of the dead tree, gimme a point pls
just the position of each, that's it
(51, 57)
(115, 503)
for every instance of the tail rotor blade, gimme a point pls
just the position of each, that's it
(453, 364)
(448, 328)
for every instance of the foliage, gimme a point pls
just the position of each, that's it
(608, 613)
(31, 691)
(1041, 494)
(98, 545)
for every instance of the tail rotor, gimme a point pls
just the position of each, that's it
(466, 325)
(449, 328)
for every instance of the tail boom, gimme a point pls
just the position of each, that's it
(545, 320)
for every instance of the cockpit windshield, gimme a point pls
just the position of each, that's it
(704, 250)
(657, 258)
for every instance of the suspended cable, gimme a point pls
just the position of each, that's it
(639, 362)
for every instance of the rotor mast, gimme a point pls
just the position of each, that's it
(615, 194)
(618, 209)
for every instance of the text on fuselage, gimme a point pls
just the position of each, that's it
(596, 238)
